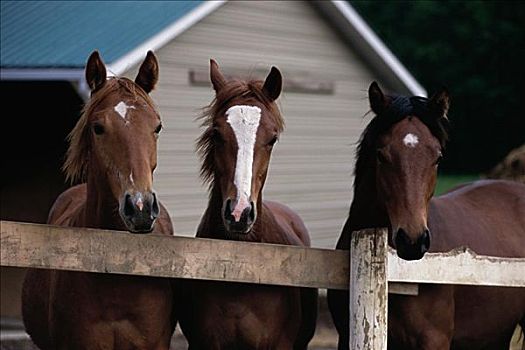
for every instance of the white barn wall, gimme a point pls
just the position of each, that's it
(311, 167)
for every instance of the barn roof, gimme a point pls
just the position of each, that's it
(51, 40)
(63, 33)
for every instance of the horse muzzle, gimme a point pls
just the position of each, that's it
(239, 218)
(409, 249)
(139, 211)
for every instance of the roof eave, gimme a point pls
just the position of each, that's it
(67, 74)
(73, 75)
(135, 56)
(370, 46)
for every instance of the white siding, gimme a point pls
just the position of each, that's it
(311, 167)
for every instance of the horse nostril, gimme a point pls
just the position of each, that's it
(155, 210)
(425, 241)
(252, 212)
(402, 237)
(129, 208)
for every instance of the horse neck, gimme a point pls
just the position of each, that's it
(366, 211)
(211, 225)
(101, 208)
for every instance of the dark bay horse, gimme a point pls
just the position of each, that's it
(113, 148)
(395, 176)
(241, 127)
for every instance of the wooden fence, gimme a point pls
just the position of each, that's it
(373, 272)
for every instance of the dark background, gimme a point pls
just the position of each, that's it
(476, 49)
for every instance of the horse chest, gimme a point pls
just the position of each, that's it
(243, 316)
(90, 311)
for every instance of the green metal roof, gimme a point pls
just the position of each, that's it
(62, 34)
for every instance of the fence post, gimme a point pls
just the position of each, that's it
(368, 290)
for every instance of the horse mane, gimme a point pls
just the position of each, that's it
(77, 157)
(399, 108)
(234, 89)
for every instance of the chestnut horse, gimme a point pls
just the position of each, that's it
(242, 125)
(395, 176)
(114, 148)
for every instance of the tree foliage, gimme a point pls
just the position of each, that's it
(477, 50)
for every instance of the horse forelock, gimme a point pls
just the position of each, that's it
(240, 92)
(77, 157)
(399, 108)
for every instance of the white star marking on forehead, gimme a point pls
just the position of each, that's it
(122, 109)
(411, 140)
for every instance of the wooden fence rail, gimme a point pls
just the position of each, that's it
(94, 250)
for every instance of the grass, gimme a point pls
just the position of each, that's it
(446, 182)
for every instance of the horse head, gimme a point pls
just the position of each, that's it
(115, 142)
(408, 149)
(243, 124)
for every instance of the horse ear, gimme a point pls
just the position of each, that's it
(273, 84)
(217, 79)
(378, 101)
(439, 104)
(95, 71)
(148, 73)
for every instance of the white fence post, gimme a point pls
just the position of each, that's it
(368, 290)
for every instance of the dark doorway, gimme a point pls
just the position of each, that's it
(36, 120)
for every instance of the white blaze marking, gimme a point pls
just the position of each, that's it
(411, 140)
(244, 121)
(139, 203)
(131, 177)
(122, 109)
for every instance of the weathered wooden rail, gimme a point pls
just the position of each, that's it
(373, 272)
(373, 266)
(93, 250)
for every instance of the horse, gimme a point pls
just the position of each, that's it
(113, 152)
(242, 125)
(395, 175)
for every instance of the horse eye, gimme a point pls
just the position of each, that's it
(158, 129)
(381, 158)
(98, 129)
(273, 141)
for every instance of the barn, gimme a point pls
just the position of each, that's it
(328, 56)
